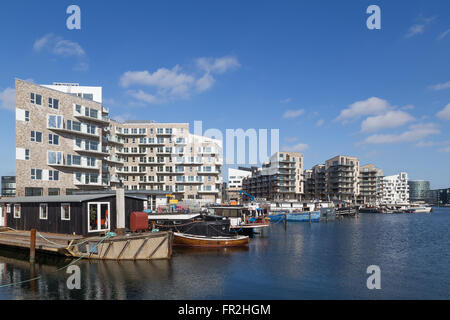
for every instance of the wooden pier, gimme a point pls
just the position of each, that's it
(347, 212)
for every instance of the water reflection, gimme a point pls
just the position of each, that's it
(299, 261)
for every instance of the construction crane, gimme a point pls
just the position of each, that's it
(248, 195)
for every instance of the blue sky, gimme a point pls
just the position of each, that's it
(309, 68)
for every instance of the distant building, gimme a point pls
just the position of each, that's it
(396, 189)
(8, 186)
(418, 190)
(370, 184)
(235, 179)
(315, 183)
(342, 177)
(279, 179)
(439, 197)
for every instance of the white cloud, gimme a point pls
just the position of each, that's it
(320, 122)
(419, 28)
(444, 34)
(444, 113)
(217, 65)
(205, 82)
(445, 149)
(414, 30)
(424, 144)
(8, 99)
(391, 119)
(416, 132)
(172, 84)
(143, 96)
(440, 86)
(287, 100)
(58, 46)
(371, 106)
(300, 147)
(290, 114)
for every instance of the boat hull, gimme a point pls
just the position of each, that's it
(185, 240)
(296, 216)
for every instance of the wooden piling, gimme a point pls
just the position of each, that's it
(33, 246)
(310, 217)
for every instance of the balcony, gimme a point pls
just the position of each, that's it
(101, 120)
(89, 180)
(164, 133)
(129, 133)
(75, 164)
(129, 152)
(114, 140)
(207, 189)
(115, 159)
(150, 142)
(203, 170)
(103, 152)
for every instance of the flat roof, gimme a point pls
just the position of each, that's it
(62, 199)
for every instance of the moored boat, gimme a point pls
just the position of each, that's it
(313, 216)
(420, 210)
(189, 240)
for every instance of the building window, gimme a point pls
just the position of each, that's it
(54, 122)
(98, 216)
(65, 211)
(27, 154)
(8, 208)
(43, 211)
(36, 174)
(54, 157)
(53, 191)
(33, 192)
(53, 103)
(27, 116)
(17, 211)
(53, 175)
(36, 136)
(36, 99)
(53, 139)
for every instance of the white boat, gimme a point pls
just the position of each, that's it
(420, 210)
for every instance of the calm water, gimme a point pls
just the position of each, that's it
(322, 261)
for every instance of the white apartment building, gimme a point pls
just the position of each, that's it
(396, 189)
(235, 178)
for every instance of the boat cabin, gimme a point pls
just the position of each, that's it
(86, 215)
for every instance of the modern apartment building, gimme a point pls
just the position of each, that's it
(235, 180)
(281, 178)
(66, 142)
(316, 183)
(396, 189)
(342, 178)
(8, 186)
(370, 184)
(146, 155)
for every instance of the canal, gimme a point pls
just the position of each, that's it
(299, 261)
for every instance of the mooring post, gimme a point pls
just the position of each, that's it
(32, 245)
(285, 220)
(310, 217)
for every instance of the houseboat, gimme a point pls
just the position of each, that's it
(241, 218)
(92, 226)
